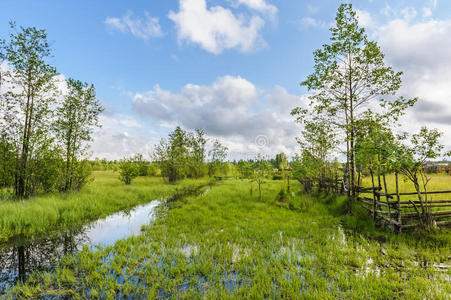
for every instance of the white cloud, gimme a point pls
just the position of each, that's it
(364, 18)
(427, 12)
(409, 13)
(259, 5)
(312, 9)
(216, 28)
(119, 137)
(145, 28)
(309, 22)
(421, 50)
(231, 108)
(434, 3)
(129, 122)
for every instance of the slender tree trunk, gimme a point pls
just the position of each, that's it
(22, 167)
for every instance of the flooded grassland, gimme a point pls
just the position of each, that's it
(228, 244)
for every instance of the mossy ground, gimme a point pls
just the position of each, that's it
(226, 244)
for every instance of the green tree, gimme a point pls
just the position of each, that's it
(281, 161)
(30, 90)
(261, 170)
(245, 168)
(7, 158)
(350, 76)
(218, 154)
(197, 142)
(411, 157)
(128, 169)
(172, 155)
(76, 118)
(143, 166)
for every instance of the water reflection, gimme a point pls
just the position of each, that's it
(19, 258)
(22, 256)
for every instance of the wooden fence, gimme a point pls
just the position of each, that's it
(399, 210)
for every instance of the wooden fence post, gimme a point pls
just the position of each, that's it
(374, 194)
(387, 199)
(398, 198)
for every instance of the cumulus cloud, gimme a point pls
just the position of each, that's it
(217, 28)
(427, 12)
(120, 136)
(421, 50)
(259, 5)
(143, 28)
(364, 18)
(231, 108)
(309, 22)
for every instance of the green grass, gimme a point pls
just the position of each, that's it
(104, 196)
(439, 182)
(228, 245)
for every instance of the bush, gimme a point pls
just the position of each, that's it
(128, 170)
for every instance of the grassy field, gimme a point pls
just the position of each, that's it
(104, 196)
(439, 182)
(228, 245)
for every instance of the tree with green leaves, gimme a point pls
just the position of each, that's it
(197, 141)
(76, 118)
(7, 158)
(261, 170)
(410, 160)
(280, 161)
(351, 77)
(143, 165)
(218, 154)
(245, 168)
(317, 142)
(30, 91)
(172, 155)
(128, 169)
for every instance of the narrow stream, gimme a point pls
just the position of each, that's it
(21, 257)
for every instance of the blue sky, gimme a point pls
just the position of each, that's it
(232, 67)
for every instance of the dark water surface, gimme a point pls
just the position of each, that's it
(22, 256)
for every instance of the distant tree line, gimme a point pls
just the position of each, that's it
(182, 155)
(45, 122)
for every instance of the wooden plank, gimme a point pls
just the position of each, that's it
(386, 212)
(434, 213)
(439, 223)
(391, 221)
(418, 202)
(432, 205)
(443, 223)
(423, 193)
(407, 226)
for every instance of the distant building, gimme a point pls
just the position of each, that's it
(437, 167)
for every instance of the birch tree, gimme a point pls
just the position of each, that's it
(349, 78)
(28, 91)
(76, 119)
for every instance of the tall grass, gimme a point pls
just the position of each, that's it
(104, 196)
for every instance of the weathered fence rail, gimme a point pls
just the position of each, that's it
(405, 214)
(395, 209)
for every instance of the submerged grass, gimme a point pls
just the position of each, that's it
(228, 245)
(104, 196)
